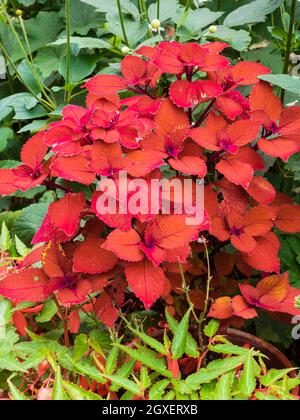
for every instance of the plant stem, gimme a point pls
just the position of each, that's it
(187, 5)
(289, 42)
(51, 184)
(158, 9)
(203, 117)
(206, 302)
(68, 52)
(64, 319)
(186, 291)
(122, 23)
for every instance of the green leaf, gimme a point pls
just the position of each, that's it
(207, 392)
(229, 349)
(81, 346)
(58, 389)
(125, 383)
(223, 387)
(274, 375)
(77, 393)
(144, 377)
(248, 379)
(156, 345)
(28, 76)
(253, 12)
(111, 362)
(158, 365)
(124, 372)
(47, 60)
(15, 393)
(239, 40)
(30, 221)
(196, 21)
(169, 10)
(180, 337)
(211, 328)
(5, 315)
(81, 67)
(290, 83)
(5, 135)
(111, 7)
(84, 18)
(191, 344)
(5, 240)
(48, 312)
(157, 390)
(83, 42)
(21, 248)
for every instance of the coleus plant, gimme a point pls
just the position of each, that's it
(176, 106)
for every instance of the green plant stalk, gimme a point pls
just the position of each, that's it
(122, 23)
(40, 100)
(158, 9)
(32, 68)
(68, 52)
(64, 320)
(206, 302)
(188, 5)
(289, 42)
(186, 291)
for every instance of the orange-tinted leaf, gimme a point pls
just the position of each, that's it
(126, 245)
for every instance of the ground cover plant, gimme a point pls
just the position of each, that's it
(140, 305)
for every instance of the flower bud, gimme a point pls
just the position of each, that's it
(155, 24)
(212, 29)
(125, 50)
(19, 12)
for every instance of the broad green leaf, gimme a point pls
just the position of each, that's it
(223, 387)
(109, 7)
(211, 328)
(191, 344)
(5, 239)
(83, 42)
(58, 389)
(30, 76)
(15, 393)
(81, 346)
(5, 135)
(29, 222)
(11, 363)
(47, 60)
(77, 393)
(84, 18)
(147, 359)
(169, 10)
(287, 82)
(100, 341)
(208, 391)
(125, 383)
(195, 22)
(239, 40)
(253, 12)
(248, 378)
(157, 390)
(274, 375)
(263, 397)
(48, 311)
(81, 67)
(180, 337)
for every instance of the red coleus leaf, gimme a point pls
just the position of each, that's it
(175, 232)
(273, 293)
(125, 245)
(91, 258)
(146, 281)
(105, 310)
(105, 84)
(226, 307)
(7, 182)
(74, 168)
(108, 159)
(75, 294)
(261, 190)
(65, 213)
(20, 322)
(246, 72)
(26, 285)
(190, 161)
(265, 256)
(48, 232)
(288, 218)
(143, 162)
(265, 106)
(34, 151)
(74, 322)
(187, 94)
(235, 171)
